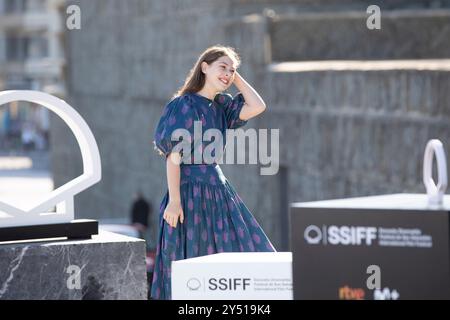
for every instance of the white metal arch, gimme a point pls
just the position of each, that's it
(63, 196)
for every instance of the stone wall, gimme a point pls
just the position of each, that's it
(357, 131)
(346, 129)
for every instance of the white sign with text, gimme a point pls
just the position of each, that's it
(234, 276)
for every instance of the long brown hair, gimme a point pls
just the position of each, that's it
(196, 78)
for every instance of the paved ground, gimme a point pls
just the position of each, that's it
(24, 178)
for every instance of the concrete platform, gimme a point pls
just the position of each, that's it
(107, 267)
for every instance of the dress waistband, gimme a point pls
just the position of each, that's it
(198, 164)
(202, 173)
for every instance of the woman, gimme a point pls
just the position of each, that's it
(201, 213)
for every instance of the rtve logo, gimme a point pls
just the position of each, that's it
(343, 235)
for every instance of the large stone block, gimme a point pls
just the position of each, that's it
(111, 266)
(395, 87)
(404, 34)
(298, 6)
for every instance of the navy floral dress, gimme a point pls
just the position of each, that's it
(215, 218)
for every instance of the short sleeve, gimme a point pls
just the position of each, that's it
(177, 114)
(232, 108)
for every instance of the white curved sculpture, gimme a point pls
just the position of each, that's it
(63, 196)
(435, 192)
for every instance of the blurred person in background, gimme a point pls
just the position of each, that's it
(141, 211)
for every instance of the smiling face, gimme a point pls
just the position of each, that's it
(220, 73)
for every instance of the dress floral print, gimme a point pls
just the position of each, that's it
(215, 218)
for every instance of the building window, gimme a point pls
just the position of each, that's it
(15, 6)
(37, 47)
(20, 48)
(16, 48)
(35, 5)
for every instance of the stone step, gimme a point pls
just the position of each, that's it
(301, 6)
(404, 34)
(405, 88)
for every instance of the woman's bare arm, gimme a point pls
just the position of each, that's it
(173, 210)
(254, 104)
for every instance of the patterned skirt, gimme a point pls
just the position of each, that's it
(215, 220)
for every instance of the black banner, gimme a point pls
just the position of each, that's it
(341, 253)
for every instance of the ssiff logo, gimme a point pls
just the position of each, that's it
(221, 284)
(193, 284)
(340, 235)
